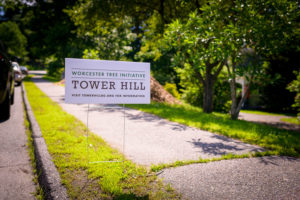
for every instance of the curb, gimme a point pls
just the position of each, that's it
(48, 178)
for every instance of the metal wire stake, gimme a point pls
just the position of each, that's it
(124, 115)
(87, 138)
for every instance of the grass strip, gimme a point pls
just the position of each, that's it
(67, 144)
(280, 142)
(292, 120)
(257, 112)
(51, 78)
(39, 193)
(159, 167)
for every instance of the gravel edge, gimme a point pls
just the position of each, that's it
(48, 178)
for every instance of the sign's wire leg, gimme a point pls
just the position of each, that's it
(124, 117)
(87, 139)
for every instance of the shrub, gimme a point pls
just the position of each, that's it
(294, 86)
(193, 94)
(172, 89)
(55, 69)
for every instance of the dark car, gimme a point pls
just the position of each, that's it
(6, 86)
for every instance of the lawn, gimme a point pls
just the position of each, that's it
(292, 120)
(280, 142)
(66, 139)
(258, 112)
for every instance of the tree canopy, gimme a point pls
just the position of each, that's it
(189, 43)
(13, 39)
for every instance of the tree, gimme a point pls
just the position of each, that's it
(201, 50)
(136, 28)
(13, 39)
(294, 86)
(257, 29)
(248, 66)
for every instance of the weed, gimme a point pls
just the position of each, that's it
(159, 167)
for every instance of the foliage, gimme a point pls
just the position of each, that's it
(172, 89)
(67, 145)
(281, 142)
(193, 93)
(13, 39)
(48, 29)
(200, 54)
(254, 29)
(294, 86)
(278, 74)
(55, 69)
(221, 99)
(130, 29)
(179, 38)
(105, 27)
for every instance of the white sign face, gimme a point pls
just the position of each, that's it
(106, 82)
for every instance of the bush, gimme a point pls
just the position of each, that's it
(55, 69)
(13, 39)
(172, 89)
(193, 94)
(222, 99)
(294, 86)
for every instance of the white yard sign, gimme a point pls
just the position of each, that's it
(106, 82)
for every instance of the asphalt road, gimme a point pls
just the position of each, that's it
(254, 178)
(16, 176)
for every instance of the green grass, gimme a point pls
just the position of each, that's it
(67, 144)
(292, 120)
(51, 78)
(280, 142)
(257, 112)
(39, 193)
(156, 168)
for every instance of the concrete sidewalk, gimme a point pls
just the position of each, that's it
(149, 139)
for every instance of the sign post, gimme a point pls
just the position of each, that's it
(106, 82)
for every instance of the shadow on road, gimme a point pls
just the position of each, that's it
(272, 160)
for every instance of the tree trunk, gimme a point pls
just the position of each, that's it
(208, 83)
(235, 109)
(208, 95)
(238, 109)
(233, 98)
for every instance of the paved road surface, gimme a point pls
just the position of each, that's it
(255, 178)
(16, 176)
